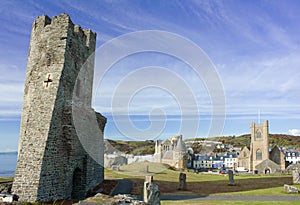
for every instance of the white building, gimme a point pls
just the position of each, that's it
(230, 161)
(292, 157)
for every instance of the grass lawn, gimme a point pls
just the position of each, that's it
(6, 179)
(187, 202)
(267, 191)
(200, 184)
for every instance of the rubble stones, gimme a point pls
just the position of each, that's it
(290, 189)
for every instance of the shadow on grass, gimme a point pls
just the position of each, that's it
(205, 188)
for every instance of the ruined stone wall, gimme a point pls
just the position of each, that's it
(52, 162)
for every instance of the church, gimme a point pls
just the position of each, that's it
(257, 158)
(172, 152)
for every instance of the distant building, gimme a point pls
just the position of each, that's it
(203, 162)
(259, 144)
(277, 156)
(172, 152)
(230, 161)
(292, 157)
(257, 158)
(244, 159)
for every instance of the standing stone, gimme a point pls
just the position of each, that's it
(151, 192)
(147, 169)
(182, 181)
(296, 176)
(231, 178)
(52, 162)
(148, 179)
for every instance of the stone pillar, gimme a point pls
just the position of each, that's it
(296, 176)
(151, 192)
(231, 178)
(182, 181)
(148, 179)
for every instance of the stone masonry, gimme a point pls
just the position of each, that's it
(259, 146)
(52, 162)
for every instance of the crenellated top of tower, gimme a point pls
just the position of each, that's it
(64, 22)
(264, 124)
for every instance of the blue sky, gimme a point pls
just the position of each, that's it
(254, 46)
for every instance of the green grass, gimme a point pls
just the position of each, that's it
(187, 202)
(138, 170)
(6, 179)
(160, 171)
(268, 191)
(201, 184)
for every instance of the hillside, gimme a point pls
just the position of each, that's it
(147, 147)
(130, 147)
(274, 139)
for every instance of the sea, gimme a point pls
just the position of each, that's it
(8, 162)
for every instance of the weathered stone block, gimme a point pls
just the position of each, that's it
(290, 189)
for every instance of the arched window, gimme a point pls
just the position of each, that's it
(245, 154)
(258, 154)
(258, 134)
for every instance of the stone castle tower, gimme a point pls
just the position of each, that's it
(52, 160)
(259, 146)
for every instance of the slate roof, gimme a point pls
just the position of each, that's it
(180, 145)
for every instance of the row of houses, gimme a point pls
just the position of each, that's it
(230, 160)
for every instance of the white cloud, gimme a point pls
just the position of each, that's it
(295, 132)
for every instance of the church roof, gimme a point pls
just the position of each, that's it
(168, 155)
(180, 145)
(267, 163)
(278, 148)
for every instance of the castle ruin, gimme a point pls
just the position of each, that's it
(52, 161)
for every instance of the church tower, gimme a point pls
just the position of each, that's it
(259, 146)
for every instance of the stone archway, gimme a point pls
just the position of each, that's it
(267, 170)
(78, 190)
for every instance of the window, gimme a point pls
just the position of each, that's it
(258, 154)
(245, 154)
(258, 134)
